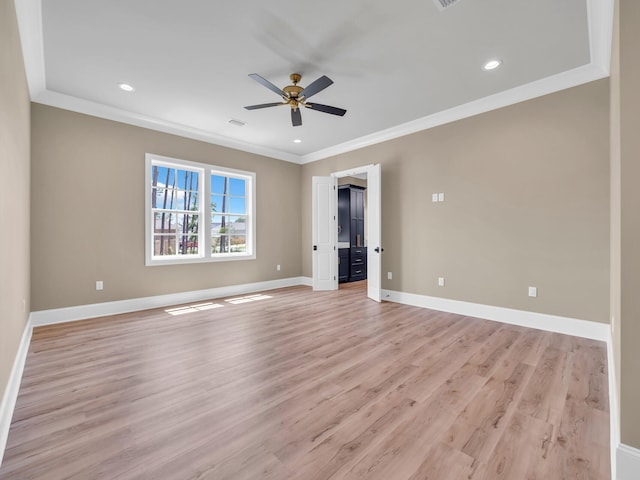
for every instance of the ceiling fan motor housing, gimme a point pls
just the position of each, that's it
(296, 96)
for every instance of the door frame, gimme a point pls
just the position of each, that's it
(350, 173)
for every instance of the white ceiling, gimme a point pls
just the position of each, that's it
(398, 67)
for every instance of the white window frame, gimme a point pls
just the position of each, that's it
(204, 254)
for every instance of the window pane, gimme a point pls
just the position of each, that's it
(219, 203)
(165, 222)
(169, 199)
(237, 205)
(237, 225)
(187, 179)
(188, 245)
(164, 245)
(187, 200)
(162, 176)
(218, 184)
(188, 224)
(218, 224)
(220, 244)
(237, 187)
(238, 243)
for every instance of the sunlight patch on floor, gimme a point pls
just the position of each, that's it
(193, 308)
(248, 298)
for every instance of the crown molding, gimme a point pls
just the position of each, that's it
(555, 83)
(600, 26)
(80, 105)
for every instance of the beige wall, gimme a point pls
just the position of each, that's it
(88, 213)
(14, 191)
(526, 203)
(626, 97)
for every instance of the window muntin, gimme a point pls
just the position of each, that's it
(178, 221)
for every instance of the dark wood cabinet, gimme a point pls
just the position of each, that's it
(344, 213)
(357, 264)
(356, 205)
(343, 264)
(353, 260)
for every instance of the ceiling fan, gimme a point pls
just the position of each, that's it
(296, 96)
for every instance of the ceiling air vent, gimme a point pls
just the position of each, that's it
(443, 4)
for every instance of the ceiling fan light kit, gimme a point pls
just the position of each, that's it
(296, 96)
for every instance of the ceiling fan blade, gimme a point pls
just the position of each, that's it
(315, 87)
(267, 83)
(296, 117)
(326, 109)
(264, 105)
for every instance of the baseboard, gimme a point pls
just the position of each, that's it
(13, 387)
(308, 281)
(541, 321)
(614, 419)
(67, 314)
(628, 462)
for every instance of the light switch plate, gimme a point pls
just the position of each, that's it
(533, 291)
(434, 197)
(441, 197)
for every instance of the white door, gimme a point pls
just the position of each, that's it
(324, 233)
(374, 233)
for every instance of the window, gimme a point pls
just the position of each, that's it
(197, 212)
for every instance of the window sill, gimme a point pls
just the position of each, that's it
(186, 261)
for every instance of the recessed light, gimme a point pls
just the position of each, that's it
(126, 87)
(492, 64)
(297, 140)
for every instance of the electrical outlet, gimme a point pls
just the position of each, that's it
(278, 267)
(389, 276)
(434, 197)
(441, 281)
(99, 285)
(533, 291)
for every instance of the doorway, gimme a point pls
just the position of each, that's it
(325, 228)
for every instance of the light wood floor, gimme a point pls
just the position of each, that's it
(299, 385)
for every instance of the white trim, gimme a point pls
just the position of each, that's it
(614, 419)
(353, 171)
(81, 312)
(541, 321)
(79, 105)
(307, 281)
(545, 86)
(13, 387)
(600, 26)
(29, 16)
(628, 462)
(600, 22)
